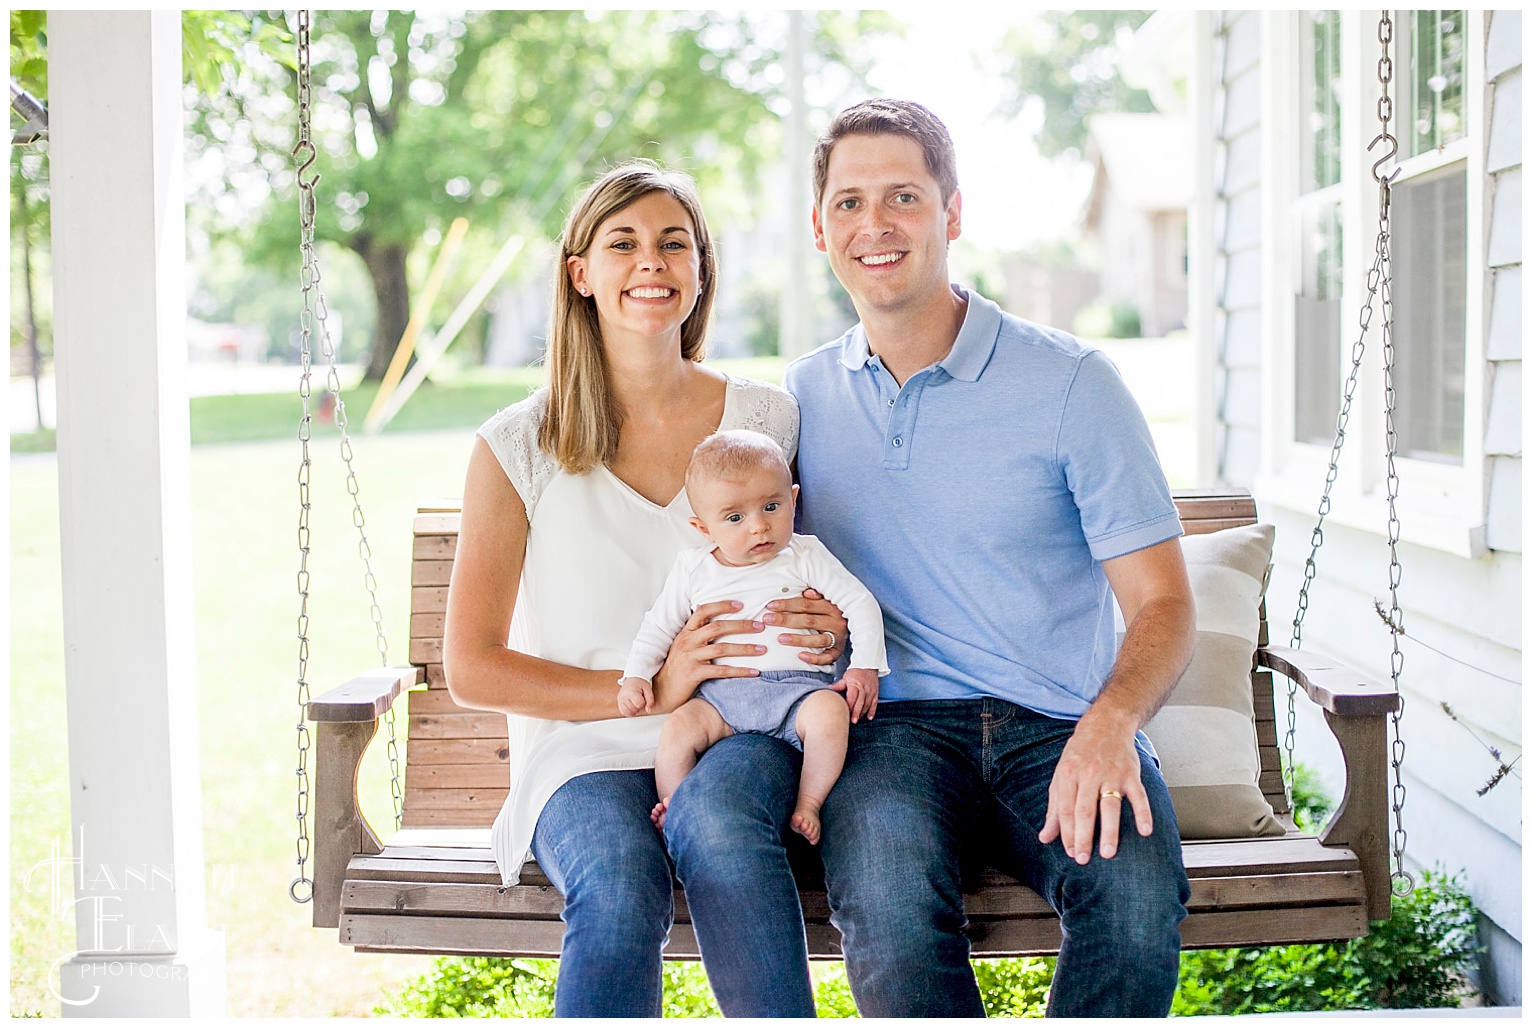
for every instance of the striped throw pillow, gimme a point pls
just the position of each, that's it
(1205, 733)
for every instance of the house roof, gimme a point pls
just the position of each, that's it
(1146, 159)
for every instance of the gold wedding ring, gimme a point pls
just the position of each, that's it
(1110, 792)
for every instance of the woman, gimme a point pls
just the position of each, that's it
(573, 513)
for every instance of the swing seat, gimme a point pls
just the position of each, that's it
(434, 887)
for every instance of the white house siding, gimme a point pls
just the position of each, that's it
(1503, 162)
(1467, 607)
(1236, 223)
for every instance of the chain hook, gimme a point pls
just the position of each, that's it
(1393, 151)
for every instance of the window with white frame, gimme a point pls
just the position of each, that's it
(1429, 229)
(1430, 220)
(1317, 299)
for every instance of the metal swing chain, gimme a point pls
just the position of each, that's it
(315, 311)
(1379, 285)
(1402, 881)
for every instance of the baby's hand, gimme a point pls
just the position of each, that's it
(634, 697)
(861, 688)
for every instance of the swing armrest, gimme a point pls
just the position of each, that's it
(1336, 688)
(1356, 710)
(366, 697)
(346, 719)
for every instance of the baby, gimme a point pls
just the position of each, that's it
(742, 495)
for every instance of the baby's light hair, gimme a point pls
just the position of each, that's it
(733, 453)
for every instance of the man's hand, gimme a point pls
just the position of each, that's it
(690, 660)
(861, 688)
(1099, 767)
(634, 697)
(1098, 771)
(823, 619)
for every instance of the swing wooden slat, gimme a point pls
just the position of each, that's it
(435, 887)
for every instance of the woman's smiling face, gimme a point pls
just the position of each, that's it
(643, 269)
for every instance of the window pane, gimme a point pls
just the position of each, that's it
(1436, 44)
(1318, 324)
(1430, 254)
(1319, 106)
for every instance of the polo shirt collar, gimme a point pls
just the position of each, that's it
(971, 350)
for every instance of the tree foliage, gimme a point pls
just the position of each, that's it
(212, 46)
(495, 116)
(1066, 62)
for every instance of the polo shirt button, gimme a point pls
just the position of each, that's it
(890, 403)
(898, 441)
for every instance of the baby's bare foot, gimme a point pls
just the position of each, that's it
(657, 815)
(806, 823)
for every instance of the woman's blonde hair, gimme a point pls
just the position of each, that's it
(583, 424)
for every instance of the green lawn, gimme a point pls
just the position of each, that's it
(457, 399)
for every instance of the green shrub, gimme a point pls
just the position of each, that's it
(1311, 804)
(1017, 987)
(500, 987)
(1419, 958)
(832, 990)
(478, 987)
(1108, 319)
(497, 987)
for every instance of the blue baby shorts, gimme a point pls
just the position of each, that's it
(767, 705)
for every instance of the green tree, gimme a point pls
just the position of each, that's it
(1066, 62)
(211, 44)
(31, 317)
(423, 117)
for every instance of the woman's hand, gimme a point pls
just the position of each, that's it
(826, 624)
(689, 662)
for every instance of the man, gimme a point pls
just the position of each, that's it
(995, 486)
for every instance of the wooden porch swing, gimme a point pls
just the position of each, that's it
(434, 888)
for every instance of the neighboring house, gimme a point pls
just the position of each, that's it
(1283, 106)
(1047, 293)
(1136, 213)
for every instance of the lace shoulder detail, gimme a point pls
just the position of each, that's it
(767, 409)
(512, 436)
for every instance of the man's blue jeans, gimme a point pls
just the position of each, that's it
(595, 842)
(927, 776)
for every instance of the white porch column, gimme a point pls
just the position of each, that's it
(143, 947)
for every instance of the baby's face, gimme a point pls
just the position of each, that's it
(749, 517)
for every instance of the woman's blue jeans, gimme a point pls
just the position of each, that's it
(926, 777)
(725, 827)
(595, 843)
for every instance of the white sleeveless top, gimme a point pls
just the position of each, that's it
(597, 556)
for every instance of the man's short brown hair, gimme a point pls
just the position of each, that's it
(885, 117)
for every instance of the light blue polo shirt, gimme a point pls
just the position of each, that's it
(978, 502)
